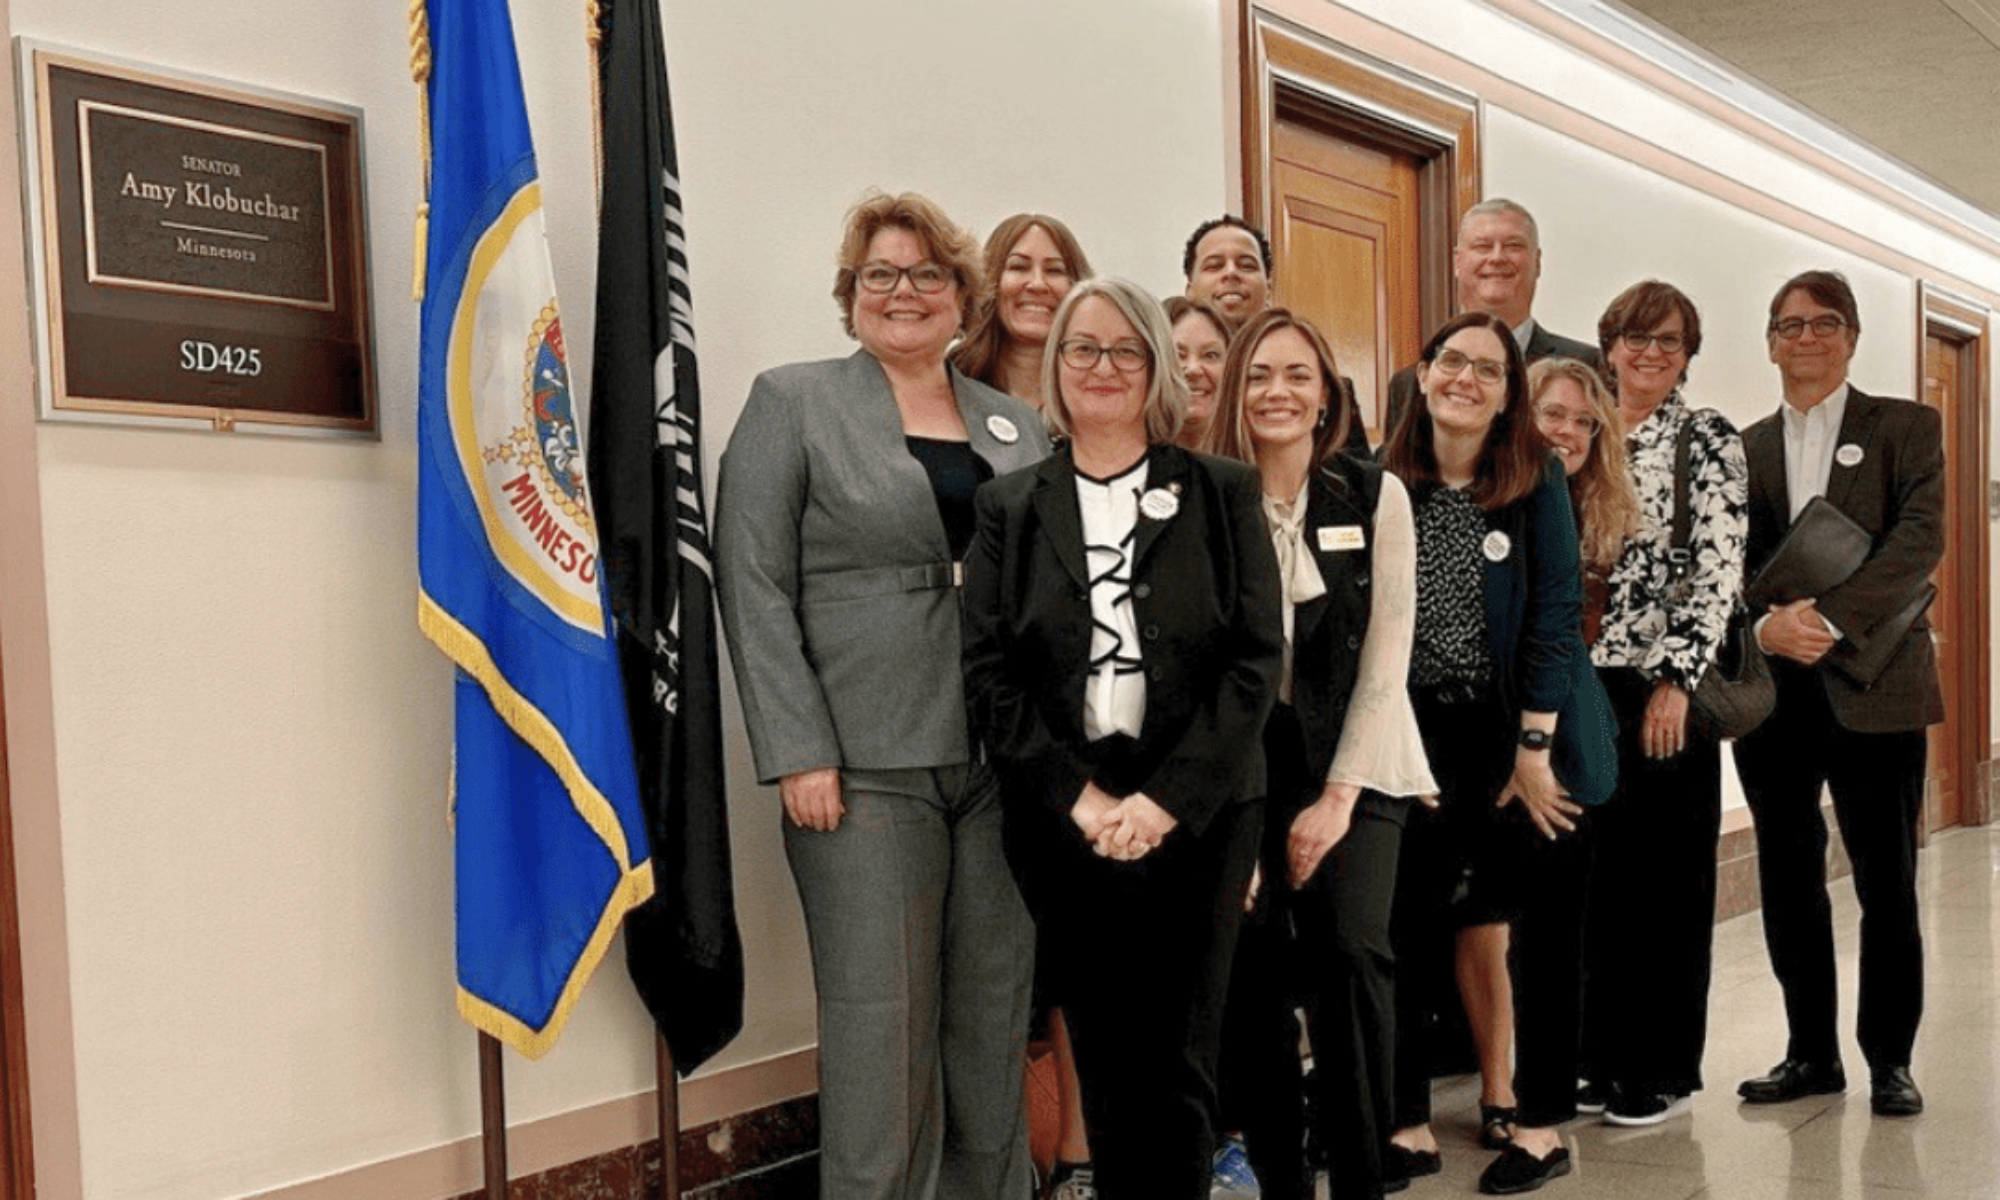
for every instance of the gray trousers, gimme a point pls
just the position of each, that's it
(923, 954)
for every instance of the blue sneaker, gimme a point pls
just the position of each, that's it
(1233, 1175)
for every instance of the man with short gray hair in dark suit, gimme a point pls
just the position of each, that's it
(1880, 462)
(1497, 263)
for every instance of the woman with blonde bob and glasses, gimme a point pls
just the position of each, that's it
(844, 508)
(1122, 652)
(1344, 758)
(1516, 729)
(1577, 417)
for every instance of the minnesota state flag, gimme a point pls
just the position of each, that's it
(550, 839)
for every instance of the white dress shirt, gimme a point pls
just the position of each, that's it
(1810, 440)
(1114, 694)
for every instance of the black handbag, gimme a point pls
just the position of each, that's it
(1736, 693)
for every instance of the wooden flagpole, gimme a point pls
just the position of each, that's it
(670, 1119)
(492, 1117)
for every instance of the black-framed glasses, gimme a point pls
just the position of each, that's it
(1637, 340)
(1486, 370)
(1825, 325)
(882, 278)
(1081, 354)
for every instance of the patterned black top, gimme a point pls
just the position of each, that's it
(1450, 650)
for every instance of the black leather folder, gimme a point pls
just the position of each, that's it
(1865, 664)
(1820, 551)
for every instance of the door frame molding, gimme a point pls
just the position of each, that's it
(1969, 322)
(1287, 70)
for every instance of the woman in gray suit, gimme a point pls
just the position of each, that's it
(844, 510)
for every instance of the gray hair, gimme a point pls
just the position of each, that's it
(1497, 206)
(1166, 390)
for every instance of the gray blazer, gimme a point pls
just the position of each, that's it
(836, 581)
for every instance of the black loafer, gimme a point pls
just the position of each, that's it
(1517, 1171)
(1401, 1162)
(1892, 1093)
(1496, 1126)
(1794, 1080)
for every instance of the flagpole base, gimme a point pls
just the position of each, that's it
(493, 1117)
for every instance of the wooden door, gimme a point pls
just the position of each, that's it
(1958, 616)
(1346, 228)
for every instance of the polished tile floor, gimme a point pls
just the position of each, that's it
(1828, 1147)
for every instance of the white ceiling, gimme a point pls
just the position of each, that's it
(1919, 80)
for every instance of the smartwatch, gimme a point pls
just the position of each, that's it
(1536, 739)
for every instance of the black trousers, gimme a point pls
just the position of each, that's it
(1649, 940)
(1324, 947)
(1454, 869)
(1546, 962)
(1144, 951)
(1877, 780)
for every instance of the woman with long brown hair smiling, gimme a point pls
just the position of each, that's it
(1344, 758)
(1516, 729)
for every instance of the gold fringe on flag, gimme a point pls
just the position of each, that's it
(593, 36)
(420, 71)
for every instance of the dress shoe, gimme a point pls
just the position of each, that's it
(1405, 1164)
(1892, 1093)
(1516, 1171)
(1794, 1080)
(1631, 1107)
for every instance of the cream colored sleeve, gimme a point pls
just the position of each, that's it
(1379, 744)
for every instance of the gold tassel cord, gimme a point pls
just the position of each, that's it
(593, 36)
(420, 71)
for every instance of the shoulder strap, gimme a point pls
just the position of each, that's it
(1681, 519)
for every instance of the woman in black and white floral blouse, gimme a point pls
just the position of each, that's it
(1652, 906)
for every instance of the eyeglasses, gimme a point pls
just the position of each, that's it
(1486, 370)
(1080, 355)
(882, 278)
(1822, 326)
(1669, 343)
(1584, 423)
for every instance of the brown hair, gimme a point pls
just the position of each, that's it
(978, 355)
(1179, 306)
(1228, 431)
(1641, 308)
(945, 244)
(1828, 289)
(1512, 460)
(1607, 505)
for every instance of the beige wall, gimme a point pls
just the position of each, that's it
(250, 736)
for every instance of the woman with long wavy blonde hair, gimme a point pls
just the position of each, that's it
(1578, 417)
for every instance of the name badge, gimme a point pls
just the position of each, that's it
(1496, 546)
(1159, 504)
(1003, 430)
(1849, 455)
(1341, 537)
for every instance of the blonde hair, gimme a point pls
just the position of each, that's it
(1166, 391)
(1607, 505)
(945, 244)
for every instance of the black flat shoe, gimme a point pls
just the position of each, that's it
(1402, 1163)
(1496, 1126)
(1893, 1093)
(1794, 1080)
(1517, 1171)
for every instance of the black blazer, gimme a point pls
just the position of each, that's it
(1896, 493)
(1403, 390)
(1205, 595)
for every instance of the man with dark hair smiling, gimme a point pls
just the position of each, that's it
(1881, 462)
(1228, 263)
(1496, 263)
